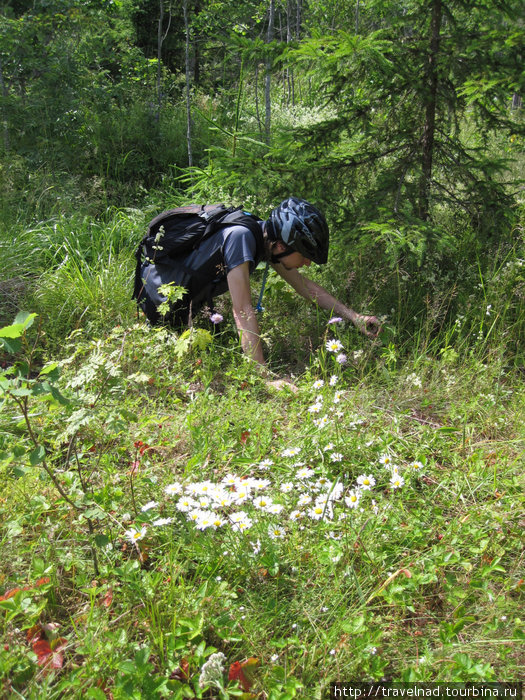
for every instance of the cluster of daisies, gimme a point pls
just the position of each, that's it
(323, 406)
(241, 502)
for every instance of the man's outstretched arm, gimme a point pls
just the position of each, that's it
(243, 312)
(368, 325)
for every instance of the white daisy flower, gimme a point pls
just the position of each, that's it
(296, 514)
(259, 484)
(185, 504)
(336, 491)
(385, 460)
(134, 535)
(291, 452)
(275, 532)
(204, 487)
(238, 517)
(162, 521)
(265, 464)
(315, 408)
(333, 380)
(334, 345)
(205, 521)
(149, 506)
(318, 384)
(305, 473)
(352, 500)
(275, 508)
(241, 496)
(287, 486)
(366, 481)
(262, 502)
(304, 500)
(223, 499)
(322, 422)
(396, 481)
(416, 467)
(320, 511)
(173, 489)
(336, 456)
(194, 514)
(242, 525)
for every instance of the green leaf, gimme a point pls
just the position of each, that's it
(37, 455)
(22, 322)
(101, 540)
(11, 346)
(51, 367)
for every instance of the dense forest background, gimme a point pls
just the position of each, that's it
(377, 110)
(404, 122)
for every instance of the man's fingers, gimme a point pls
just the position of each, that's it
(281, 384)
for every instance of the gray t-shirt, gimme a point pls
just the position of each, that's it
(236, 243)
(202, 272)
(230, 247)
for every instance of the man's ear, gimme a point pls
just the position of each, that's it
(279, 247)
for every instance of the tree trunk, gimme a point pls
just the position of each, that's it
(160, 39)
(4, 90)
(431, 79)
(268, 78)
(196, 50)
(257, 112)
(188, 93)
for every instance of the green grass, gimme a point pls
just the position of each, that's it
(420, 583)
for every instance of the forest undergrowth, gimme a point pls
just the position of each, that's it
(172, 527)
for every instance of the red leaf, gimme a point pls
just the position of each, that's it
(242, 671)
(42, 581)
(49, 656)
(34, 633)
(42, 649)
(245, 436)
(236, 674)
(183, 672)
(10, 593)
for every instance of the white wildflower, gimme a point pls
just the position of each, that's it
(366, 481)
(149, 506)
(291, 452)
(334, 345)
(173, 489)
(212, 671)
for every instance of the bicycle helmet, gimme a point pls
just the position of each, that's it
(301, 227)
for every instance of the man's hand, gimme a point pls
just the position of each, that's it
(280, 384)
(368, 325)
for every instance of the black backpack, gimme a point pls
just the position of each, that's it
(175, 233)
